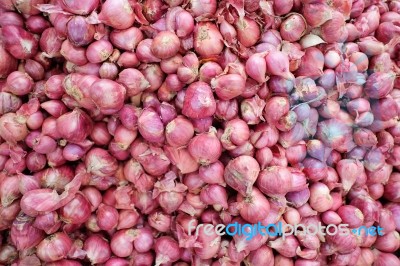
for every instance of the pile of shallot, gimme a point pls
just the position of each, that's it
(125, 124)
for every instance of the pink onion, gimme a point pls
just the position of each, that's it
(167, 250)
(74, 126)
(117, 14)
(23, 234)
(278, 64)
(107, 95)
(207, 39)
(228, 86)
(199, 101)
(202, 152)
(18, 42)
(241, 173)
(165, 45)
(54, 247)
(254, 207)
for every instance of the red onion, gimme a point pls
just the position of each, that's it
(333, 133)
(12, 18)
(18, 42)
(165, 45)
(348, 170)
(212, 173)
(261, 256)
(389, 242)
(107, 217)
(99, 162)
(241, 173)
(80, 8)
(19, 83)
(214, 195)
(254, 207)
(50, 222)
(160, 221)
(13, 127)
(153, 159)
(117, 14)
(99, 51)
(293, 27)
(207, 39)
(385, 259)
(179, 131)
(278, 64)
(286, 247)
(126, 39)
(8, 254)
(320, 198)
(167, 250)
(80, 32)
(205, 153)
(391, 188)
(311, 63)
(169, 195)
(9, 103)
(54, 247)
(97, 249)
(107, 95)
(236, 133)
(275, 108)
(21, 228)
(379, 85)
(368, 207)
(150, 126)
(199, 101)
(209, 70)
(74, 126)
(256, 67)
(248, 31)
(182, 159)
(75, 55)
(228, 86)
(351, 215)
(315, 140)
(270, 180)
(76, 211)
